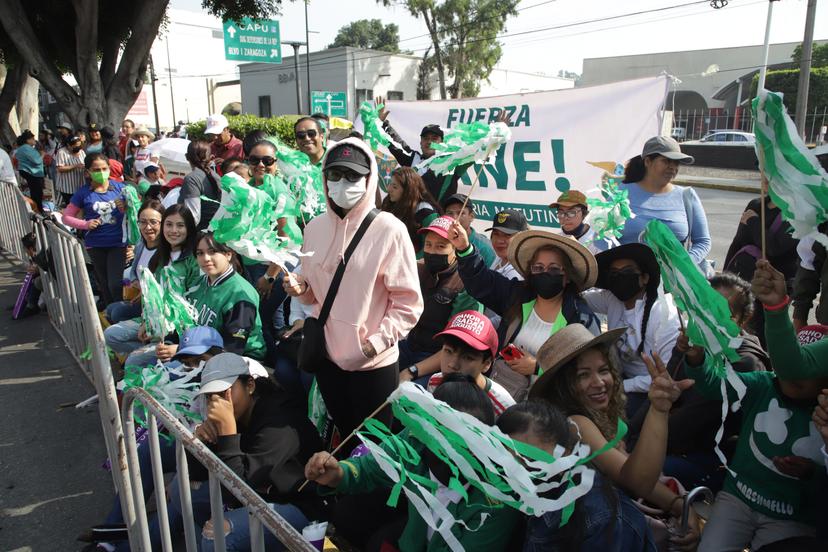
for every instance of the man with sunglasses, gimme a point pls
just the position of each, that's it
(571, 209)
(310, 139)
(223, 144)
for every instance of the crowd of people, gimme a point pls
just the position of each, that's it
(553, 337)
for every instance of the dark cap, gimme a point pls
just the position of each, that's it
(456, 198)
(93, 127)
(432, 129)
(348, 156)
(509, 221)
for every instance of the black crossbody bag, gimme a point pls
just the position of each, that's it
(312, 350)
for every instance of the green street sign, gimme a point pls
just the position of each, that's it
(334, 104)
(252, 40)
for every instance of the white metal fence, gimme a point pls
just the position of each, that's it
(71, 307)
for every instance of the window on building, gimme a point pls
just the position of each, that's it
(264, 106)
(394, 95)
(363, 95)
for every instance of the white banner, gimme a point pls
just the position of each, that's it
(554, 137)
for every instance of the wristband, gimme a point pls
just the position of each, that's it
(780, 306)
(466, 252)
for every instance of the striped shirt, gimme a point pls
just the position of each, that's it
(71, 181)
(501, 399)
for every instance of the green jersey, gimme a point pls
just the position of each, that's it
(231, 306)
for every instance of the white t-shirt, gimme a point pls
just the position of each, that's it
(501, 399)
(505, 267)
(171, 198)
(6, 168)
(144, 259)
(533, 333)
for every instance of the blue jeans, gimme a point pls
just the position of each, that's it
(291, 377)
(238, 539)
(123, 337)
(409, 357)
(123, 310)
(696, 469)
(604, 527)
(271, 309)
(145, 467)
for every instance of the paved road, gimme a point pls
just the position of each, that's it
(52, 486)
(724, 209)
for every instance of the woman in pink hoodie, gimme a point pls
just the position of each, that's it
(379, 299)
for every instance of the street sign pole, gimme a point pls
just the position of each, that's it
(328, 97)
(295, 46)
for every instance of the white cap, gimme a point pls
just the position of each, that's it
(216, 123)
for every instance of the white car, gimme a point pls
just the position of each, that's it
(725, 138)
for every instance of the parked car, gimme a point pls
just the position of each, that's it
(725, 138)
(679, 133)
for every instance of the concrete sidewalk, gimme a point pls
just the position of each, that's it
(52, 486)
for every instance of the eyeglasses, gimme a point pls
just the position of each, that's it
(302, 134)
(339, 174)
(540, 269)
(569, 214)
(150, 223)
(266, 160)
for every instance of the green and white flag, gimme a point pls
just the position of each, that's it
(609, 213)
(133, 204)
(175, 388)
(303, 178)
(373, 133)
(164, 310)
(798, 184)
(515, 474)
(464, 144)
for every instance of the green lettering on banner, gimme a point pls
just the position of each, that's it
(561, 183)
(524, 166)
(452, 116)
(488, 115)
(497, 172)
(536, 215)
(494, 113)
(480, 114)
(523, 116)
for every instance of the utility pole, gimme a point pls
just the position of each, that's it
(805, 69)
(169, 73)
(154, 99)
(296, 71)
(763, 71)
(307, 49)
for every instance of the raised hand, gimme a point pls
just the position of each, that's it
(220, 412)
(324, 469)
(768, 284)
(693, 354)
(383, 113)
(458, 237)
(664, 391)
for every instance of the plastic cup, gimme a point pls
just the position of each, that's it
(314, 533)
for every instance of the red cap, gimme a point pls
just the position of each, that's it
(811, 334)
(473, 329)
(440, 226)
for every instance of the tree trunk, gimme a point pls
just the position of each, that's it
(431, 24)
(28, 109)
(12, 78)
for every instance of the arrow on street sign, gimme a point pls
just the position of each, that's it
(231, 31)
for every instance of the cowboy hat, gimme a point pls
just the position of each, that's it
(566, 344)
(524, 244)
(638, 252)
(143, 130)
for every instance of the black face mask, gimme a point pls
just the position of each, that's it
(546, 284)
(76, 150)
(624, 285)
(435, 263)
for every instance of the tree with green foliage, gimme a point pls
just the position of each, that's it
(819, 55)
(103, 44)
(786, 81)
(369, 33)
(463, 36)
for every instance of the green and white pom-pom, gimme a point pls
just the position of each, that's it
(465, 144)
(515, 474)
(133, 204)
(797, 183)
(247, 217)
(174, 388)
(164, 311)
(372, 131)
(303, 178)
(609, 213)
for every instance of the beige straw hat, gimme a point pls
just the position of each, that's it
(143, 130)
(563, 346)
(524, 244)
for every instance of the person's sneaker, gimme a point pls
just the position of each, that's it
(110, 533)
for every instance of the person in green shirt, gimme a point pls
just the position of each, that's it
(492, 521)
(775, 487)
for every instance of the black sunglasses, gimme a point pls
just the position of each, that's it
(336, 174)
(302, 134)
(266, 160)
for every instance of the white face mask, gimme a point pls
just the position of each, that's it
(346, 194)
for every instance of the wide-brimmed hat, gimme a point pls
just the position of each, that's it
(143, 130)
(524, 244)
(638, 252)
(566, 344)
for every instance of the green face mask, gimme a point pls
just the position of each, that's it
(100, 177)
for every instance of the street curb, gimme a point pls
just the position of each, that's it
(727, 187)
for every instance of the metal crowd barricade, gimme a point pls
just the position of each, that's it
(15, 220)
(220, 476)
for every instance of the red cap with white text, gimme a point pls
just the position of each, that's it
(473, 329)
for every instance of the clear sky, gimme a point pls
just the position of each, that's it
(547, 36)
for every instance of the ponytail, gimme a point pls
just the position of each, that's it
(652, 295)
(635, 170)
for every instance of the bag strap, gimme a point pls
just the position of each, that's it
(340, 270)
(688, 212)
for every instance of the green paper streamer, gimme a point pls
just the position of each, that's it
(303, 179)
(797, 183)
(464, 144)
(373, 133)
(247, 218)
(164, 310)
(86, 355)
(175, 389)
(133, 205)
(609, 213)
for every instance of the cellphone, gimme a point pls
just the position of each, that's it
(510, 352)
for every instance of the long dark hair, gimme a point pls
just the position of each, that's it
(635, 169)
(541, 418)
(110, 144)
(414, 192)
(164, 252)
(212, 243)
(746, 302)
(199, 156)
